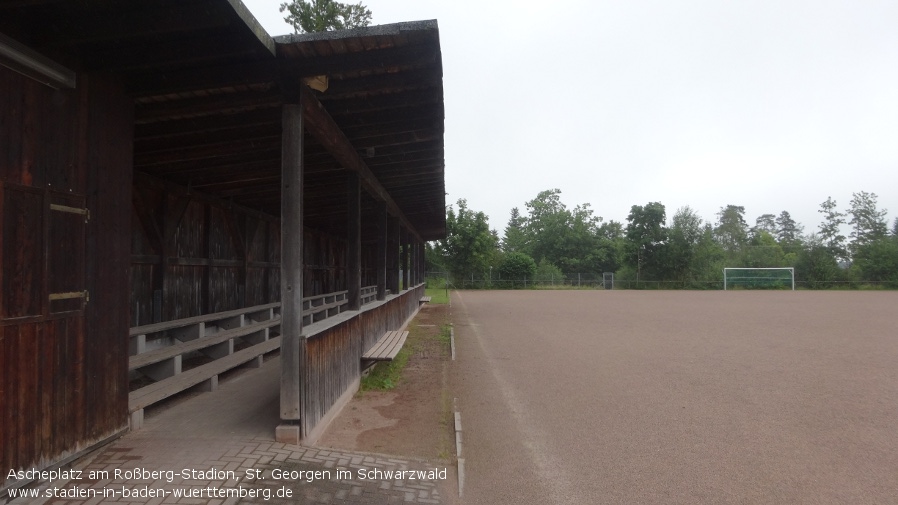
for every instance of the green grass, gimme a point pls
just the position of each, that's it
(437, 295)
(387, 374)
(445, 335)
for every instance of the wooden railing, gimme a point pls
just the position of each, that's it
(212, 343)
(161, 354)
(317, 308)
(369, 294)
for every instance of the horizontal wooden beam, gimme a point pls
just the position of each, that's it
(212, 151)
(184, 169)
(238, 120)
(385, 83)
(342, 106)
(199, 49)
(393, 59)
(212, 105)
(241, 74)
(204, 139)
(137, 20)
(151, 259)
(142, 179)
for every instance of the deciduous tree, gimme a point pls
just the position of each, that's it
(470, 246)
(731, 230)
(684, 234)
(571, 239)
(816, 266)
(310, 16)
(646, 235)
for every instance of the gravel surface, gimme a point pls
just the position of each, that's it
(678, 396)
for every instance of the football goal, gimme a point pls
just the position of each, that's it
(759, 278)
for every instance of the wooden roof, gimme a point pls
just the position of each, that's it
(209, 82)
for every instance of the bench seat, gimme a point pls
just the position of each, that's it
(180, 323)
(157, 355)
(425, 299)
(148, 395)
(387, 347)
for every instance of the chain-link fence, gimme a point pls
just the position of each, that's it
(474, 281)
(596, 281)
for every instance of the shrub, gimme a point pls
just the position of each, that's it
(517, 266)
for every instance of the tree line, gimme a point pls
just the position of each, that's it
(550, 240)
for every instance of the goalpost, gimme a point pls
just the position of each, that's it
(759, 278)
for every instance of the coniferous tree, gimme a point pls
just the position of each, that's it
(515, 239)
(830, 229)
(868, 222)
(788, 232)
(765, 222)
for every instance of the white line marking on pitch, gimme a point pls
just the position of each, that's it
(452, 341)
(458, 450)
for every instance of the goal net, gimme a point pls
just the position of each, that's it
(759, 278)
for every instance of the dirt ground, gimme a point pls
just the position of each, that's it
(677, 397)
(414, 418)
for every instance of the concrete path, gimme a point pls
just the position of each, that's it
(218, 449)
(630, 397)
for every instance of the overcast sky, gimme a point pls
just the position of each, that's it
(769, 104)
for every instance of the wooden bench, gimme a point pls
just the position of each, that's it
(215, 345)
(425, 299)
(158, 351)
(385, 349)
(206, 374)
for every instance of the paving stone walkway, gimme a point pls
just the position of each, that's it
(218, 449)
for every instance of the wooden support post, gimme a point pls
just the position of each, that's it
(206, 296)
(381, 256)
(354, 250)
(209, 385)
(393, 254)
(414, 266)
(403, 260)
(411, 261)
(422, 263)
(292, 346)
(163, 369)
(191, 332)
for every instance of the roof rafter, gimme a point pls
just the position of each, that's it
(325, 129)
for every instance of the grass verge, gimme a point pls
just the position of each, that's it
(387, 374)
(437, 295)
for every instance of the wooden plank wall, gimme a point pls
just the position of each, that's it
(63, 364)
(324, 264)
(333, 356)
(193, 254)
